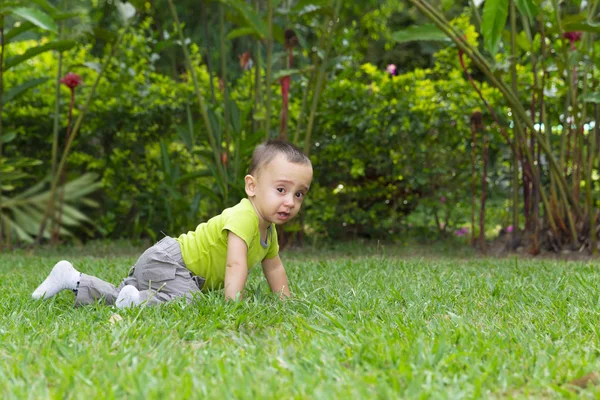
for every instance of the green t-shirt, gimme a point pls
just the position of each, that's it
(204, 250)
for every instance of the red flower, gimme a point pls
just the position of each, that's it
(572, 36)
(245, 61)
(71, 80)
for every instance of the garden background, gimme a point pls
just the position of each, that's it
(424, 120)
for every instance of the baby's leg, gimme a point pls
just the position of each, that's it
(63, 276)
(181, 286)
(92, 289)
(159, 276)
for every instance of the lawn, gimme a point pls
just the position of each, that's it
(365, 323)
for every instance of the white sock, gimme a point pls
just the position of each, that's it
(63, 276)
(128, 296)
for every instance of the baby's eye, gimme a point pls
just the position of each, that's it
(299, 195)
(280, 190)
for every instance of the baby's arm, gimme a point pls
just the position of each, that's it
(275, 274)
(236, 271)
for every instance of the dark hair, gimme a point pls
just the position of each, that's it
(266, 152)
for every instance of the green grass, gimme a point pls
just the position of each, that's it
(370, 326)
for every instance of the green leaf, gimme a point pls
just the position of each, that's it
(208, 192)
(8, 137)
(46, 5)
(19, 90)
(6, 7)
(527, 8)
(25, 26)
(236, 33)
(23, 212)
(592, 98)
(285, 72)
(235, 117)
(306, 7)
(495, 13)
(94, 66)
(428, 32)
(36, 17)
(186, 137)
(250, 17)
(582, 27)
(166, 161)
(17, 229)
(278, 34)
(521, 40)
(60, 45)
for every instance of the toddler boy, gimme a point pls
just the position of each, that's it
(219, 252)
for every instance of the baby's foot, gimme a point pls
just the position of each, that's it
(63, 276)
(128, 296)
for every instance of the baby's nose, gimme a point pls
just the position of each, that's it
(289, 201)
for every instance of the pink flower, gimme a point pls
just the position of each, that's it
(391, 68)
(572, 36)
(509, 228)
(443, 199)
(461, 232)
(71, 80)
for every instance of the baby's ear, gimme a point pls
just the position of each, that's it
(250, 185)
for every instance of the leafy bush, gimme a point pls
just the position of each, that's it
(133, 110)
(387, 146)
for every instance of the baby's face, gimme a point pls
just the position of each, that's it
(280, 188)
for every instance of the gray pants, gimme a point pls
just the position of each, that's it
(159, 274)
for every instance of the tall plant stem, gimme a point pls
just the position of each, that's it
(257, 86)
(519, 131)
(269, 67)
(224, 75)
(476, 14)
(55, 233)
(548, 132)
(208, 56)
(73, 135)
(543, 114)
(537, 184)
(56, 126)
(484, 101)
(1, 126)
(483, 194)
(517, 128)
(592, 151)
(201, 103)
(309, 84)
(473, 179)
(257, 77)
(435, 16)
(329, 30)
(592, 137)
(588, 184)
(573, 138)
